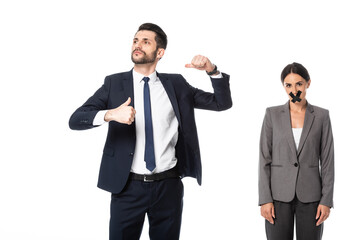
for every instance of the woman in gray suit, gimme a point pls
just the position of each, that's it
(296, 167)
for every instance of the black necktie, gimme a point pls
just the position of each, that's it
(149, 136)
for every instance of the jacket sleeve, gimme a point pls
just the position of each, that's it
(327, 163)
(84, 116)
(265, 159)
(219, 100)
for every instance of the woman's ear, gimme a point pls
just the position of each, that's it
(308, 83)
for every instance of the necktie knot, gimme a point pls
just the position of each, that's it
(146, 79)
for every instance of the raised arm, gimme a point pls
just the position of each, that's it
(221, 98)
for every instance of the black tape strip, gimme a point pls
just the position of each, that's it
(295, 98)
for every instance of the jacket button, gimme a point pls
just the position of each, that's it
(296, 164)
(131, 154)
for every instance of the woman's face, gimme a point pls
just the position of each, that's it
(294, 83)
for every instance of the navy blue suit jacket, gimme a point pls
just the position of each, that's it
(120, 143)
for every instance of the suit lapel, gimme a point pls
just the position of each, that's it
(286, 122)
(128, 86)
(169, 88)
(309, 119)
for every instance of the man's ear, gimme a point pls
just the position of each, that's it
(160, 53)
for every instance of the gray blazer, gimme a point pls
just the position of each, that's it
(307, 172)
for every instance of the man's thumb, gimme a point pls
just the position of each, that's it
(128, 101)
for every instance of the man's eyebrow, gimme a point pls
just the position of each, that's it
(145, 39)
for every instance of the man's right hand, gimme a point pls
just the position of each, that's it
(268, 212)
(123, 114)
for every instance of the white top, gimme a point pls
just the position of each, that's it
(297, 135)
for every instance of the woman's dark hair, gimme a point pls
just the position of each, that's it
(160, 38)
(295, 68)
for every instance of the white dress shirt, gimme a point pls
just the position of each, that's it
(165, 125)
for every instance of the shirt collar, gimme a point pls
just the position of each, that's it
(138, 77)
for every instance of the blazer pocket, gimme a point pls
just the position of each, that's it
(274, 165)
(108, 151)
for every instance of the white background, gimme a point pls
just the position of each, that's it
(55, 54)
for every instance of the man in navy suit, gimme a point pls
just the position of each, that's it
(152, 140)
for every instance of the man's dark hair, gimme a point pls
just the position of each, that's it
(295, 68)
(160, 38)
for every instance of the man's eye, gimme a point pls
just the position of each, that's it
(299, 84)
(287, 85)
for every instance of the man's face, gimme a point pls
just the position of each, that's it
(144, 48)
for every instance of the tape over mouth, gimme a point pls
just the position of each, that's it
(295, 98)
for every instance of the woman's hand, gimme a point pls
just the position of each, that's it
(268, 212)
(322, 214)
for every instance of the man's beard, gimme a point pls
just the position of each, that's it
(145, 59)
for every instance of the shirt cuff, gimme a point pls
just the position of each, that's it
(219, 75)
(99, 118)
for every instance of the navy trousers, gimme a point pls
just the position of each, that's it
(162, 201)
(304, 215)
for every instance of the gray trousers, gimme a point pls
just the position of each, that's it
(304, 215)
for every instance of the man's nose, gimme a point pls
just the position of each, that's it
(137, 45)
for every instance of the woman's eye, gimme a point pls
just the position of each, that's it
(288, 85)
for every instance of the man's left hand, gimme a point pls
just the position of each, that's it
(322, 214)
(201, 63)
